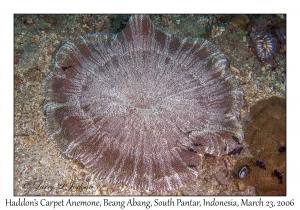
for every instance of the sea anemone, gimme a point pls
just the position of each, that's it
(264, 45)
(142, 108)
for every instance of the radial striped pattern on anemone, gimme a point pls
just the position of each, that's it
(264, 45)
(142, 108)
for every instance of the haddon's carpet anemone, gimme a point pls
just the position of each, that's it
(142, 108)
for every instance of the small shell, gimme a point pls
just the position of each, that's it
(192, 150)
(282, 149)
(279, 175)
(234, 138)
(244, 171)
(235, 151)
(260, 164)
(216, 31)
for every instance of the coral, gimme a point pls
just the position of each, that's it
(142, 108)
(264, 45)
(241, 23)
(266, 136)
(269, 118)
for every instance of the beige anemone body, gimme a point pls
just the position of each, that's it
(144, 107)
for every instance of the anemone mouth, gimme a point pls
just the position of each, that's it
(144, 105)
(144, 108)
